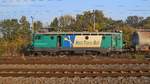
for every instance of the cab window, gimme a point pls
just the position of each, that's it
(38, 37)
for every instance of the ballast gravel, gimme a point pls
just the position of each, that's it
(75, 80)
(76, 66)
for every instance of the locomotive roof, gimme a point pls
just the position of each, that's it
(78, 33)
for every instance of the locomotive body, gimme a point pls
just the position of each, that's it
(76, 42)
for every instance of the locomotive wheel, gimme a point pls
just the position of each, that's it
(37, 53)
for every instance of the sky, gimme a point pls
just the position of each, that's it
(46, 10)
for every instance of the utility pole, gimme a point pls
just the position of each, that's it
(94, 18)
(32, 30)
(32, 24)
(60, 24)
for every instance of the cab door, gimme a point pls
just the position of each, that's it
(106, 41)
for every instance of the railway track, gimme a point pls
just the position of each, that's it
(73, 72)
(68, 60)
(14, 71)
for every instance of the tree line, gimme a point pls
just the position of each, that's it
(85, 22)
(17, 32)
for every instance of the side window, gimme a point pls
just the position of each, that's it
(52, 37)
(86, 37)
(37, 37)
(118, 37)
(103, 37)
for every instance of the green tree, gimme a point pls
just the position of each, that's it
(37, 25)
(86, 21)
(146, 22)
(9, 30)
(15, 35)
(64, 22)
(24, 30)
(10, 27)
(134, 21)
(24, 24)
(82, 22)
(127, 33)
(54, 24)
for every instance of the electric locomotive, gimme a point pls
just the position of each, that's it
(75, 43)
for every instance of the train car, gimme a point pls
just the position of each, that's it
(76, 42)
(141, 41)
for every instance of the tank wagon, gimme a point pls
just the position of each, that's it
(76, 42)
(141, 41)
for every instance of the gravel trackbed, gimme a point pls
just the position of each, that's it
(75, 80)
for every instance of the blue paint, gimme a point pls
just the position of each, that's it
(135, 39)
(67, 41)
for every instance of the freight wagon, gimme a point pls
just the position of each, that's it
(141, 41)
(76, 42)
